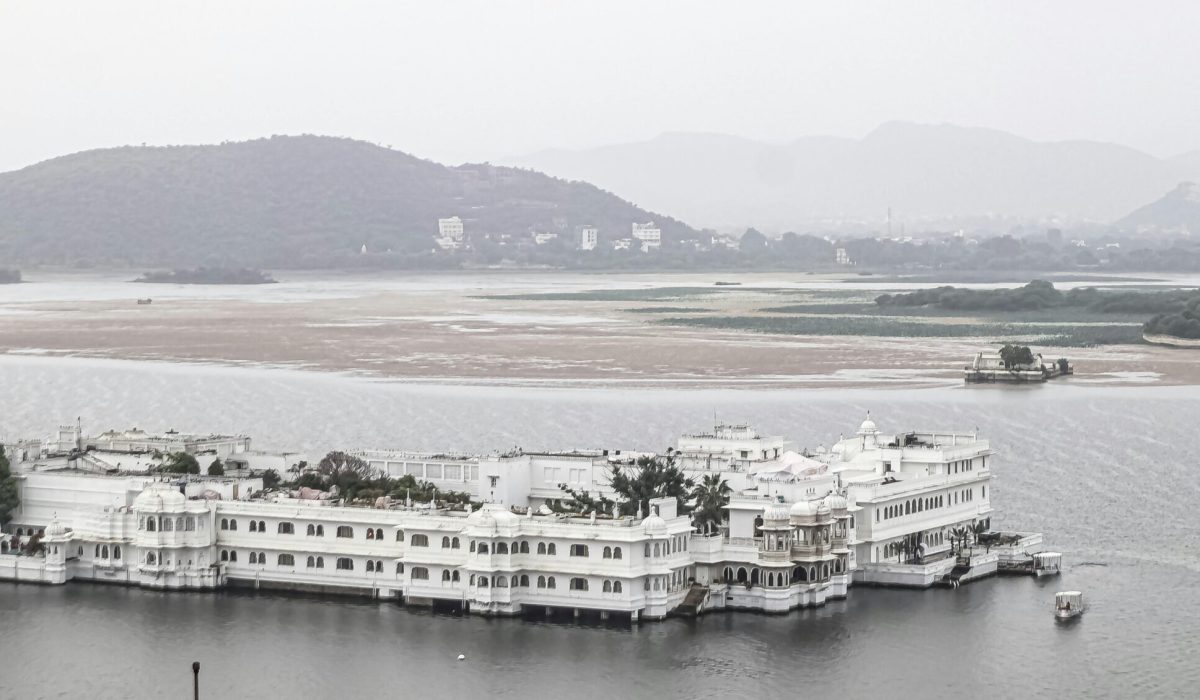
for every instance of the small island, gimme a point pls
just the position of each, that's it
(8, 276)
(1014, 364)
(1180, 329)
(208, 275)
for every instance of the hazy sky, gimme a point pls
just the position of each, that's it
(457, 81)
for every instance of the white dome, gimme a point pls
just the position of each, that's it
(803, 508)
(835, 502)
(56, 529)
(655, 525)
(492, 515)
(160, 496)
(867, 427)
(775, 511)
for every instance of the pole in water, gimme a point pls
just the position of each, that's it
(196, 680)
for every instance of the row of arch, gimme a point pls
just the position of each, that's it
(771, 579)
(914, 505)
(165, 523)
(102, 552)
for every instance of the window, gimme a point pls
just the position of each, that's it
(616, 586)
(233, 524)
(320, 531)
(399, 535)
(311, 561)
(647, 552)
(541, 582)
(378, 566)
(224, 555)
(286, 560)
(445, 543)
(607, 587)
(320, 562)
(370, 534)
(541, 547)
(607, 553)
(166, 524)
(190, 524)
(579, 550)
(472, 545)
(345, 564)
(345, 531)
(550, 582)
(445, 575)
(253, 527)
(253, 555)
(524, 581)
(616, 552)
(116, 551)
(501, 548)
(550, 549)
(312, 530)
(579, 584)
(420, 573)
(454, 543)
(483, 582)
(454, 577)
(379, 533)
(482, 548)
(516, 581)
(657, 550)
(97, 551)
(500, 582)
(419, 541)
(286, 529)
(151, 559)
(370, 565)
(524, 547)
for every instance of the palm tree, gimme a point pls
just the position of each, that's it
(959, 534)
(711, 496)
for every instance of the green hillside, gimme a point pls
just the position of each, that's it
(278, 202)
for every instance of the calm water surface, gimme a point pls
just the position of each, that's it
(1105, 473)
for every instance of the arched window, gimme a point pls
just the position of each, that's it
(524, 547)
(286, 529)
(541, 582)
(482, 548)
(741, 575)
(378, 566)
(104, 552)
(754, 577)
(233, 524)
(311, 561)
(454, 543)
(116, 551)
(445, 575)
(454, 577)
(320, 562)
(606, 554)
(616, 552)
(656, 549)
(166, 524)
(379, 533)
(320, 531)
(550, 582)
(616, 586)
(399, 567)
(607, 587)
(253, 526)
(190, 525)
(500, 582)
(224, 555)
(579, 550)
(262, 527)
(420, 573)
(286, 560)
(501, 548)
(541, 547)
(312, 530)
(419, 541)
(399, 535)
(551, 550)
(370, 566)
(345, 564)
(345, 531)
(524, 581)
(471, 582)
(483, 581)
(370, 534)
(97, 555)
(445, 543)
(179, 523)
(253, 555)
(151, 559)
(657, 583)
(516, 581)
(824, 571)
(233, 555)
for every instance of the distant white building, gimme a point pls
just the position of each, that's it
(450, 233)
(589, 236)
(622, 244)
(542, 237)
(649, 234)
(843, 258)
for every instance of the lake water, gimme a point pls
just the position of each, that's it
(1106, 473)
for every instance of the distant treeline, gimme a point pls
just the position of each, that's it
(1184, 323)
(8, 276)
(1040, 294)
(208, 275)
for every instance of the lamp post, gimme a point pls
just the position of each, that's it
(196, 680)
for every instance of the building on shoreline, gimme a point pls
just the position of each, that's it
(802, 528)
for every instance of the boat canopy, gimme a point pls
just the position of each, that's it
(1075, 598)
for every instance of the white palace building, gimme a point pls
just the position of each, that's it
(802, 527)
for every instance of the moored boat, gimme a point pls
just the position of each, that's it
(1047, 564)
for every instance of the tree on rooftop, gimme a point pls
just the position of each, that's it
(181, 463)
(271, 479)
(338, 463)
(648, 478)
(216, 468)
(9, 499)
(711, 496)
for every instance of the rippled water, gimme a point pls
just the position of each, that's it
(1106, 473)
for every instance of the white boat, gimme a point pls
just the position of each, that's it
(1068, 605)
(1047, 564)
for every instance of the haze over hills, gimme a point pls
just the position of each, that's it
(1177, 210)
(281, 202)
(918, 170)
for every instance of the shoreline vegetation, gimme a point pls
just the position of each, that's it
(208, 275)
(9, 276)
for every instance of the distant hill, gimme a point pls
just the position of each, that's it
(918, 170)
(1177, 210)
(278, 202)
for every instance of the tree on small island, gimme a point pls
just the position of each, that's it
(1016, 356)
